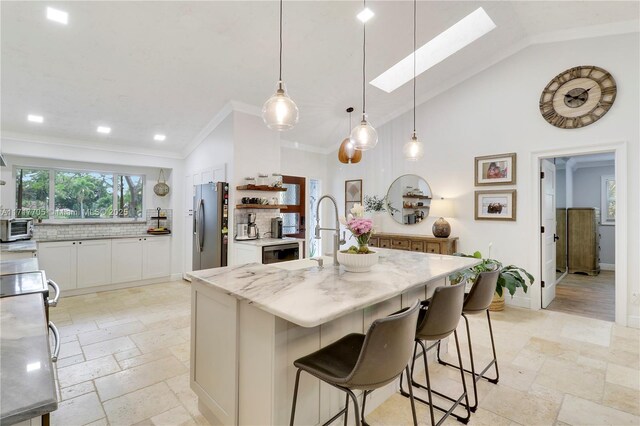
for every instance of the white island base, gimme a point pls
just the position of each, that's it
(242, 349)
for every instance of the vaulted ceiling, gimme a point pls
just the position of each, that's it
(169, 67)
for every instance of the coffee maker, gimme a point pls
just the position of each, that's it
(276, 227)
(252, 228)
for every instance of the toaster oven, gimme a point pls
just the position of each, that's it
(16, 229)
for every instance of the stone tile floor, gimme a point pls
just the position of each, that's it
(125, 360)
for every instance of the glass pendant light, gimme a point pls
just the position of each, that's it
(279, 112)
(364, 136)
(413, 150)
(347, 153)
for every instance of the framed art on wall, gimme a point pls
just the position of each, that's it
(352, 194)
(495, 169)
(495, 205)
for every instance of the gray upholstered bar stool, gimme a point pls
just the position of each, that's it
(365, 362)
(477, 301)
(438, 319)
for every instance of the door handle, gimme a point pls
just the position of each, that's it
(54, 302)
(555, 238)
(201, 227)
(56, 336)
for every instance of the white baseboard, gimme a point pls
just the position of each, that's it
(119, 286)
(520, 301)
(633, 321)
(608, 266)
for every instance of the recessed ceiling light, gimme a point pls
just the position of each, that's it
(35, 118)
(159, 138)
(365, 15)
(57, 15)
(103, 129)
(445, 44)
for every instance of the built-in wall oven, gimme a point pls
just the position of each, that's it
(280, 253)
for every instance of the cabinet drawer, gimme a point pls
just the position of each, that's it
(402, 244)
(433, 248)
(417, 246)
(373, 242)
(385, 243)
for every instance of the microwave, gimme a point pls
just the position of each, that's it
(16, 229)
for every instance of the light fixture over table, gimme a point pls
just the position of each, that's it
(364, 136)
(347, 153)
(413, 149)
(279, 112)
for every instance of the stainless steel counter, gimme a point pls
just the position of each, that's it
(18, 266)
(28, 387)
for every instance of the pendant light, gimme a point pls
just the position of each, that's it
(364, 136)
(413, 150)
(347, 153)
(279, 112)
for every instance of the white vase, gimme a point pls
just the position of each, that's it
(357, 262)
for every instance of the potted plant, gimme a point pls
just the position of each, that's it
(377, 209)
(358, 258)
(511, 277)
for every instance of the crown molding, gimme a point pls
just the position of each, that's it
(207, 129)
(76, 143)
(303, 147)
(592, 31)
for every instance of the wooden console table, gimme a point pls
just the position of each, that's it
(422, 243)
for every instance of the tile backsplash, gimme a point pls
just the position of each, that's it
(263, 219)
(94, 229)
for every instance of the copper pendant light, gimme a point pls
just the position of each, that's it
(347, 153)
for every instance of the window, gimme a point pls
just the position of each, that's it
(32, 193)
(608, 208)
(71, 194)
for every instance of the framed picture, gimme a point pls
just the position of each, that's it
(495, 205)
(352, 194)
(496, 169)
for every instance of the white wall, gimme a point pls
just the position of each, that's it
(587, 188)
(496, 112)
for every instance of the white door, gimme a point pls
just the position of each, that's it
(126, 260)
(58, 259)
(156, 257)
(548, 220)
(94, 263)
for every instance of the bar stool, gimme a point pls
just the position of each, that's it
(439, 318)
(475, 302)
(365, 362)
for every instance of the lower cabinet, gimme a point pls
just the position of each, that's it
(421, 243)
(93, 263)
(246, 254)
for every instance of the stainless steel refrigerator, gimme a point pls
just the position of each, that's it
(210, 225)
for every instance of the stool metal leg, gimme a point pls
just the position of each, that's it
(346, 409)
(481, 375)
(295, 397)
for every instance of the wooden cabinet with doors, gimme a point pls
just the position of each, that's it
(421, 243)
(583, 240)
(295, 198)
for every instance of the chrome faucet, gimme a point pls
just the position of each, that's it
(337, 241)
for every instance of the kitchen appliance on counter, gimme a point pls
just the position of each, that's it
(252, 228)
(210, 221)
(16, 229)
(280, 253)
(276, 227)
(242, 231)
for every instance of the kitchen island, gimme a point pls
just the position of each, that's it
(250, 322)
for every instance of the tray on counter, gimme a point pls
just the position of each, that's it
(165, 232)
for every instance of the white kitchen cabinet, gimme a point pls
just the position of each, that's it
(94, 263)
(156, 257)
(59, 261)
(126, 260)
(246, 253)
(9, 255)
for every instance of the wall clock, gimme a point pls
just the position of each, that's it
(578, 97)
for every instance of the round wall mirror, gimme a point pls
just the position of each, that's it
(409, 199)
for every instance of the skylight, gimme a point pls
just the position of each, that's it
(57, 15)
(445, 44)
(365, 15)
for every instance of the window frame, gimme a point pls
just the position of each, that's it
(604, 200)
(52, 172)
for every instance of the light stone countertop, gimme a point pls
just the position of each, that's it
(28, 387)
(18, 266)
(112, 237)
(261, 242)
(300, 292)
(19, 246)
